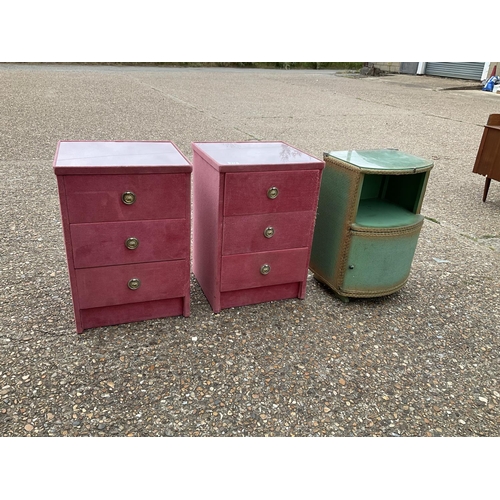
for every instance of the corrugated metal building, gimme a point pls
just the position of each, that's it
(477, 71)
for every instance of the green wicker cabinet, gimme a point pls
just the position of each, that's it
(368, 221)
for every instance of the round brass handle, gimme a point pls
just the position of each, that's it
(265, 269)
(128, 197)
(272, 192)
(269, 232)
(131, 243)
(134, 283)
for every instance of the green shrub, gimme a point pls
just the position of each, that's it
(264, 65)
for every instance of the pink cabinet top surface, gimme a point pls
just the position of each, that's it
(90, 157)
(235, 156)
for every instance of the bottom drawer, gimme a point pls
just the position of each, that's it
(250, 271)
(109, 286)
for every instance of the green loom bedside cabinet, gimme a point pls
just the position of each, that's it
(368, 221)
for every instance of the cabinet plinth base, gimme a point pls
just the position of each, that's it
(237, 298)
(127, 313)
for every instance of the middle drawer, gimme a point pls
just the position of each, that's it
(264, 232)
(114, 243)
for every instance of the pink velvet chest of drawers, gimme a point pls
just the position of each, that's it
(125, 209)
(253, 220)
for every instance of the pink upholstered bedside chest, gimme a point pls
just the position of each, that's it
(253, 221)
(125, 209)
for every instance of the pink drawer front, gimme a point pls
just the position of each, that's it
(104, 243)
(247, 233)
(248, 192)
(108, 286)
(98, 198)
(244, 270)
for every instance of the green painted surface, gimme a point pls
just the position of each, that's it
(378, 213)
(405, 190)
(372, 186)
(331, 219)
(381, 159)
(379, 262)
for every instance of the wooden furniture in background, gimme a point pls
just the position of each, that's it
(488, 156)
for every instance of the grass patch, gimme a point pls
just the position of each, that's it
(432, 220)
(469, 237)
(260, 65)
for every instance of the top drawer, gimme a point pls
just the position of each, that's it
(268, 192)
(98, 198)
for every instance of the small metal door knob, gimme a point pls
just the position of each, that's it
(272, 192)
(131, 243)
(134, 284)
(265, 269)
(269, 232)
(128, 197)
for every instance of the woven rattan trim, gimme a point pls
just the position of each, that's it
(395, 172)
(361, 294)
(376, 293)
(323, 280)
(350, 213)
(386, 231)
(340, 163)
(374, 171)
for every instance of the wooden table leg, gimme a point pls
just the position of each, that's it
(486, 188)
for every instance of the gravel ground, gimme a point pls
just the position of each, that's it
(421, 362)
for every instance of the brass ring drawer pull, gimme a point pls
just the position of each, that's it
(134, 283)
(128, 197)
(265, 269)
(131, 243)
(269, 232)
(272, 193)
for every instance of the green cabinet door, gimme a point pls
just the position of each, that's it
(378, 263)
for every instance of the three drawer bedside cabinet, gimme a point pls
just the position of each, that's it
(253, 220)
(368, 221)
(125, 209)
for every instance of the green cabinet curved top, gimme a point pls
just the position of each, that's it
(382, 160)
